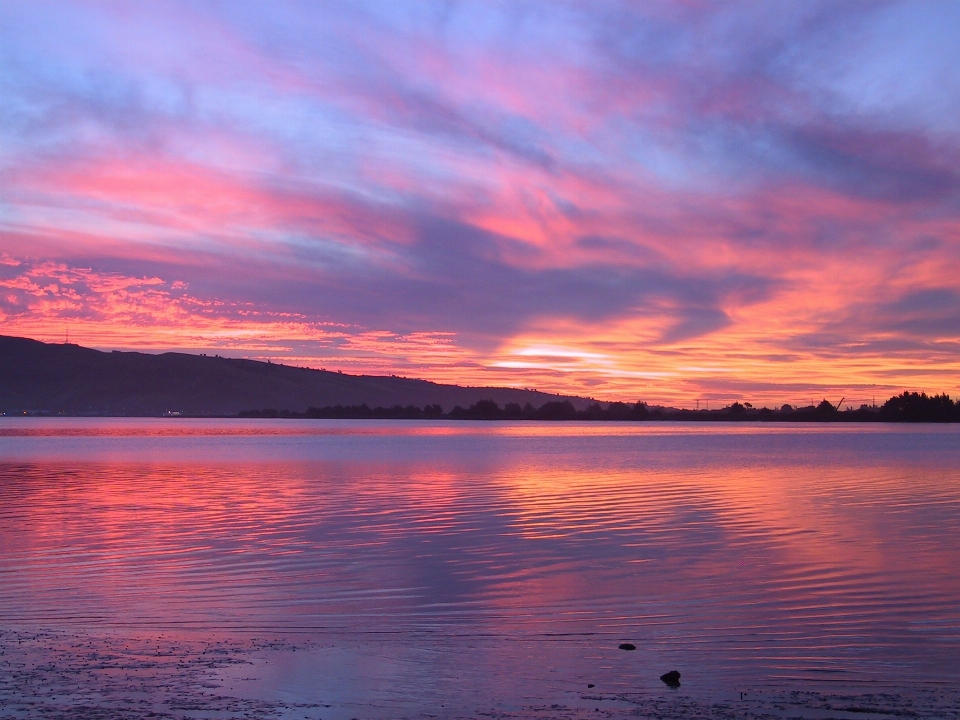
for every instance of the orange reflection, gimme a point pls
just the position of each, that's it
(518, 528)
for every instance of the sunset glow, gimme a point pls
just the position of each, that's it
(676, 203)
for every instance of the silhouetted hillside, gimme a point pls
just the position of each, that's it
(40, 377)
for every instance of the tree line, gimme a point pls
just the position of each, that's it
(906, 407)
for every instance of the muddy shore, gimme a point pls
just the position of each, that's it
(90, 676)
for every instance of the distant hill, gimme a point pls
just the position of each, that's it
(63, 378)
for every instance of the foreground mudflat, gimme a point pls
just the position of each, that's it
(56, 674)
(96, 677)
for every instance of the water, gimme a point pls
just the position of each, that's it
(393, 569)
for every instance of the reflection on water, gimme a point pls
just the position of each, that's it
(736, 553)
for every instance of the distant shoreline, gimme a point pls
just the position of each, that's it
(904, 408)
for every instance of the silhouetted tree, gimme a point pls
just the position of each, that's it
(485, 410)
(826, 408)
(639, 411)
(593, 412)
(618, 411)
(556, 410)
(918, 407)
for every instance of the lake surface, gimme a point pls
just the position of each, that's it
(401, 569)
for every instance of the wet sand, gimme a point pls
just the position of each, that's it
(89, 676)
(104, 677)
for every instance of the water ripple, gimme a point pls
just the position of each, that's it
(761, 551)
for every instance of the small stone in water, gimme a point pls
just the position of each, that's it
(671, 678)
(627, 646)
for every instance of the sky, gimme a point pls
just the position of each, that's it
(678, 202)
